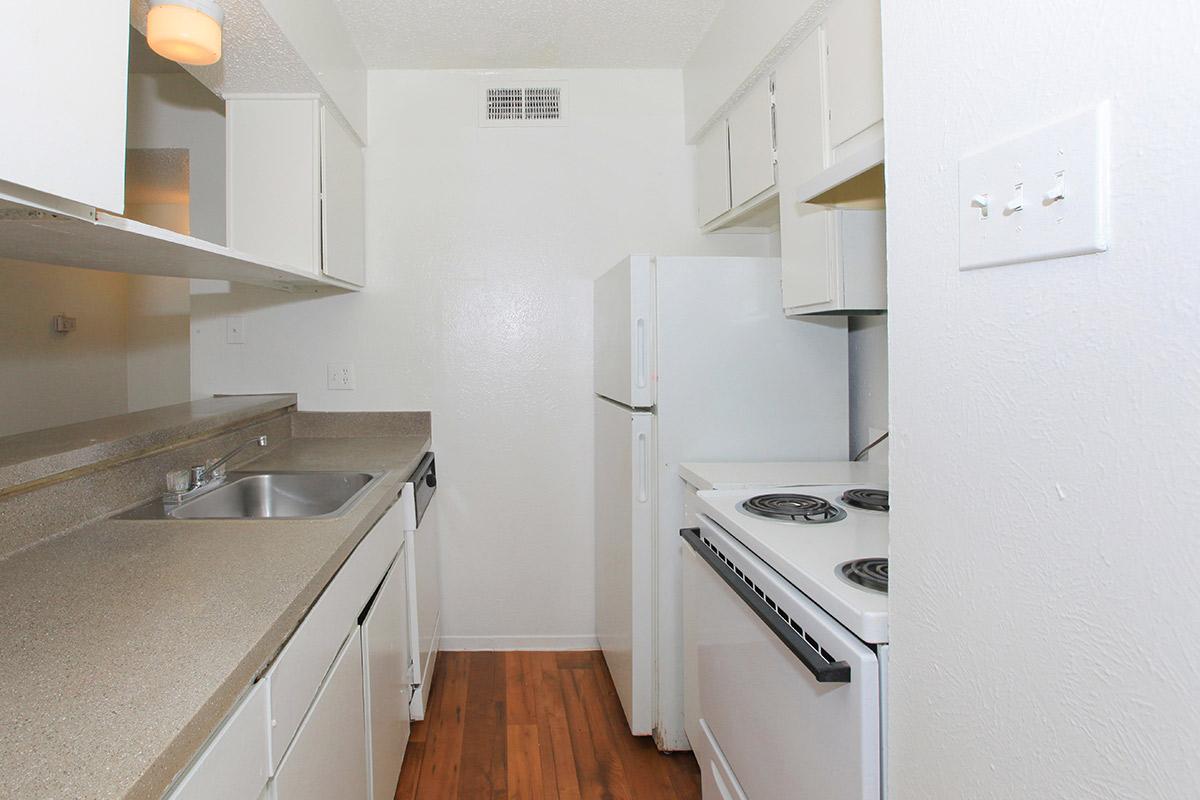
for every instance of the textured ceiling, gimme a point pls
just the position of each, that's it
(496, 34)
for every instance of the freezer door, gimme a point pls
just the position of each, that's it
(624, 554)
(623, 317)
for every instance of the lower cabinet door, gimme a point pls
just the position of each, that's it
(328, 757)
(386, 656)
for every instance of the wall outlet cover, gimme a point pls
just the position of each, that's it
(339, 376)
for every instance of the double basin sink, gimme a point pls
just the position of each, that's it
(269, 495)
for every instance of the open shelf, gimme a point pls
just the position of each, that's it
(854, 182)
(117, 244)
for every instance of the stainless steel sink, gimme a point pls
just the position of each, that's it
(278, 495)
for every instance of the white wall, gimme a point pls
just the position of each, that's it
(49, 378)
(482, 246)
(1045, 473)
(868, 364)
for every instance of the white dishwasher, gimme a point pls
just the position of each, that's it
(422, 545)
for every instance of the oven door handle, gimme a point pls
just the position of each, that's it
(823, 671)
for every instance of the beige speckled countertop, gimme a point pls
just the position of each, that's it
(124, 643)
(35, 455)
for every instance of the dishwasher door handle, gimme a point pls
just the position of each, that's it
(822, 670)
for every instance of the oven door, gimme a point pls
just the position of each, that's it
(784, 695)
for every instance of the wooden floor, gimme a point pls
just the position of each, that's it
(534, 725)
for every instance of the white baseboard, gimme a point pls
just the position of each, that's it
(519, 643)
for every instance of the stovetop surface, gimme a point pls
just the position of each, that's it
(809, 555)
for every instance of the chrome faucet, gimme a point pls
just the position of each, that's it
(201, 474)
(202, 477)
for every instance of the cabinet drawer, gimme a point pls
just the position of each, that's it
(236, 763)
(300, 668)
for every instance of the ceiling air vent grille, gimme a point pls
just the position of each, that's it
(524, 105)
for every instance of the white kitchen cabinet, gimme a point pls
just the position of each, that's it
(283, 152)
(751, 144)
(387, 670)
(273, 178)
(835, 263)
(712, 173)
(833, 260)
(305, 659)
(805, 239)
(800, 115)
(343, 217)
(855, 69)
(64, 102)
(235, 764)
(329, 755)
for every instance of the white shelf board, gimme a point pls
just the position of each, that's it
(117, 244)
(853, 165)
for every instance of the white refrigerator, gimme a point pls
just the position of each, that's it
(694, 361)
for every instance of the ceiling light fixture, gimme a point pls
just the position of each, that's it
(187, 31)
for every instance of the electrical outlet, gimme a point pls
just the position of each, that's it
(235, 330)
(339, 376)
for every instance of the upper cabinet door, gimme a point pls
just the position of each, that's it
(712, 173)
(64, 99)
(751, 144)
(273, 180)
(800, 112)
(855, 68)
(343, 202)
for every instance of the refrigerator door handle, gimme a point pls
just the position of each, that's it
(640, 356)
(643, 469)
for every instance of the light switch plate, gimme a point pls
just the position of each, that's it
(235, 330)
(1039, 196)
(340, 376)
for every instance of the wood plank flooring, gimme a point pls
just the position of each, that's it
(534, 726)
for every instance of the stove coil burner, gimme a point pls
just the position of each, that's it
(870, 573)
(868, 499)
(793, 508)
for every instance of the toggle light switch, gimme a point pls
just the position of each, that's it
(981, 202)
(1017, 203)
(1059, 190)
(1063, 223)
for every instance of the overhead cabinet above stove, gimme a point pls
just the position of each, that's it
(798, 148)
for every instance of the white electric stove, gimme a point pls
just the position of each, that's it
(785, 639)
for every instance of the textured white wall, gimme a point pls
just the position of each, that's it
(1044, 461)
(482, 246)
